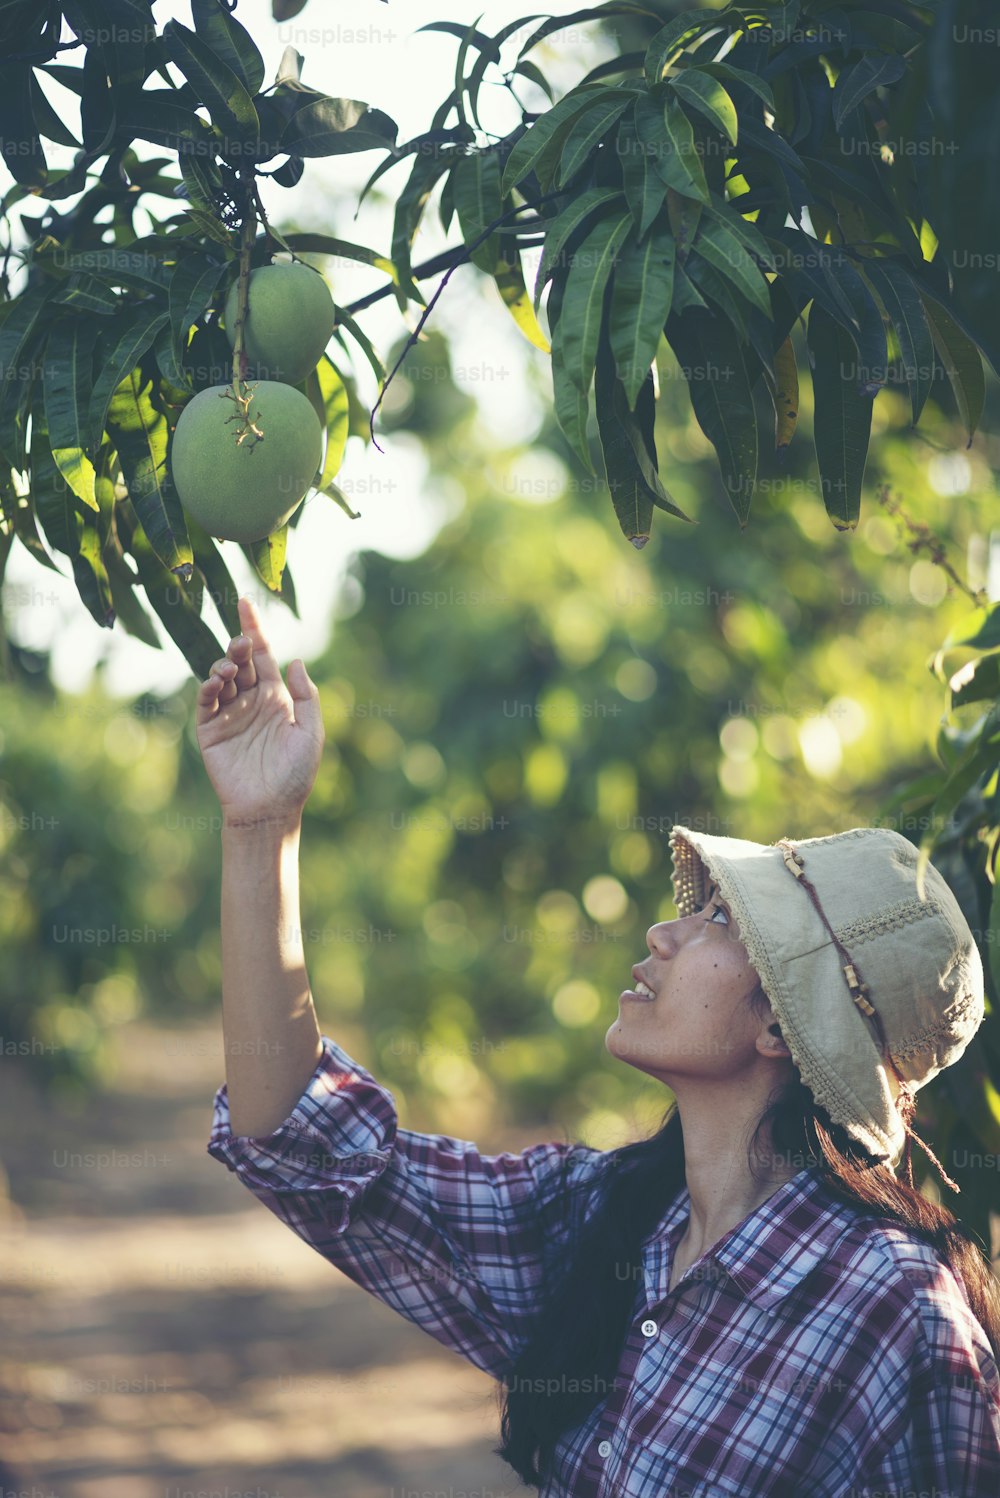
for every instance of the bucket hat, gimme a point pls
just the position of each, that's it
(874, 976)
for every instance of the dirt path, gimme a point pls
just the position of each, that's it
(166, 1337)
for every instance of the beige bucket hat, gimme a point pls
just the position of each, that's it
(877, 983)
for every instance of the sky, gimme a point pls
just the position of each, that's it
(364, 50)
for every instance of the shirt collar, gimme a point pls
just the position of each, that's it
(766, 1255)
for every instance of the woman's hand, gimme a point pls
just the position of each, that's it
(261, 741)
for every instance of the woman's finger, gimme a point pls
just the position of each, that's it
(264, 664)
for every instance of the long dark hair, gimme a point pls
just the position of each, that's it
(570, 1362)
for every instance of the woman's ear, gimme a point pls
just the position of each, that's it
(771, 1041)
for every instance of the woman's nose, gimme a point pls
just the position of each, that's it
(662, 937)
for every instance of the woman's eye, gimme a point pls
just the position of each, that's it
(719, 910)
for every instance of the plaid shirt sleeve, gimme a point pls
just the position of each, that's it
(453, 1240)
(951, 1443)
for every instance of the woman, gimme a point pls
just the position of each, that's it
(747, 1303)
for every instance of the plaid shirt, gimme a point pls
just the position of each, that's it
(809, 1353)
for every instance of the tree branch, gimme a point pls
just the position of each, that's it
(457, 256)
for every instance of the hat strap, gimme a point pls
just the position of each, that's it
(906, 1102)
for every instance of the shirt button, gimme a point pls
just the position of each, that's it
(649, 1328)
(604, 1449)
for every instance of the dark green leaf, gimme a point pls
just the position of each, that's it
(904, 308)
(47, 121)
(711, 359)
(216, 86)
(19, 142)
(121, 349)
(645, 189)
(192, 284)
(230, 41)
(562, 228)
(630, 462)
(174, 604)
(85, 293)
(641, 295)
(673, 38)
(409, 208)
(476, 189)
(544, 134)
(708, 96)
(586, 131)
(861, 79)
(583, 303)
(961, 359)
(721, 247)
(842, 418)
(68, 382)
(739, 77)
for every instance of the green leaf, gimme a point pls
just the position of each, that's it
(785, 394)
(842, 418)
(508, 277)
(979, 681)
(216, 577)
(335, 407)
(192, 284)
(961, 359)
(339, 497)
(562, 228)
(541, 136)
(711, 358)
(140, 433)
(335, 127)
(629, 451)
(66, 530)
(571, 406)
(47, 121)
(215, 85)
(645, 189)
(476, 191)
(855, 83)
(673, 38)
(85, 293)
(17, 333)
(641, 294)
(588, 128)
(120, 351)
(664, 130)
(343, 249)
(685, 216)
(740, 76)
(344, 319)
(20, 145)
(120, 267)
(901, 301)
(231, 42)
(722, 297)
(707, 95)
(716, 243)
(68, 382)
(591, 13)
(157, 115)
(580, 318)
(409, 209)
(267, 557)
(174, 604)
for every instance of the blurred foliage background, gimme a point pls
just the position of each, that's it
(515, 719)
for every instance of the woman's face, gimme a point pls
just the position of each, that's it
(698, 1021)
